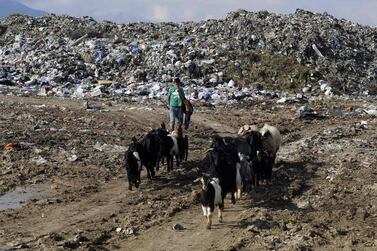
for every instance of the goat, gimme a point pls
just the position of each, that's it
(254, 139)
(174, 151)
(245, 172)
(221, 160)
(261, 168)
(271, 140)
(132, 163)
(169, 147)
(211, 196)
(246, 129)
(150, 151)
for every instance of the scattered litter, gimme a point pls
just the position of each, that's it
(110, 148)
(39, 160)
(73, 158)
(209, 60)
(305, 112)
(372, 112)
(10, 146)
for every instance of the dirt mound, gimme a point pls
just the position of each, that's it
(207, 53)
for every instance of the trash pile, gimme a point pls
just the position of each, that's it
(218, 60)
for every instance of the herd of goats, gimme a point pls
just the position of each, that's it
(231, 164)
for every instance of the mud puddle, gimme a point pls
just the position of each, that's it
(19, 196)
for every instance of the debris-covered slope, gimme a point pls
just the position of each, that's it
(69, 55)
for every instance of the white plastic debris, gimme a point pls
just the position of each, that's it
(372, 112)
(78, 93)
(282, 100)
(110, 148)
(96, 92)
(323, 85)
(73, 158)
(231, 83)
(315, 48)
(130, 231)
(39, 160)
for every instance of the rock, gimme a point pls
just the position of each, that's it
(101, 238)
(303, 204)
(252, 228)
(71, 244)
(73, 158)
(21, 246)
(55, 237)
(39, 160)
(178, 227)
(130, 231)
(80, 238)
(290, 225)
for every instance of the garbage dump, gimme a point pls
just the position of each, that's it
(244, 55)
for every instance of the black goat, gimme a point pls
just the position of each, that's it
(221, 162)
(132, 163)
(183, 145)
(150, 152)
(261, 167)
(254, 139)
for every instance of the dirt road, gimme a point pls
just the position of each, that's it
(64, 187)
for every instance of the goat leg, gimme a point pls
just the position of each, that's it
(233, 198)
(221, 208)
(168, 163)
(239, 193)
(148, 173)
(171, 163)
(129, 180)
(177, 158)
(158, 164)
(209, 220)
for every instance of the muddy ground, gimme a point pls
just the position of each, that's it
(63, 188)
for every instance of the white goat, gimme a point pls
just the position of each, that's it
(271, 139)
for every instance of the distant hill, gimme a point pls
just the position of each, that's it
(8, 7)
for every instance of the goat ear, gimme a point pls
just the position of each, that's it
(198, 180)
(267, 133)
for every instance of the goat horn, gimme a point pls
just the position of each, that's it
(210, 149)
(197, 180)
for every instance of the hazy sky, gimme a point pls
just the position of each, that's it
(362, 11)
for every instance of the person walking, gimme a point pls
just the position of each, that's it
(188, 109)
(175, 103)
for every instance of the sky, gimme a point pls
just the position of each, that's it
(361, 11)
